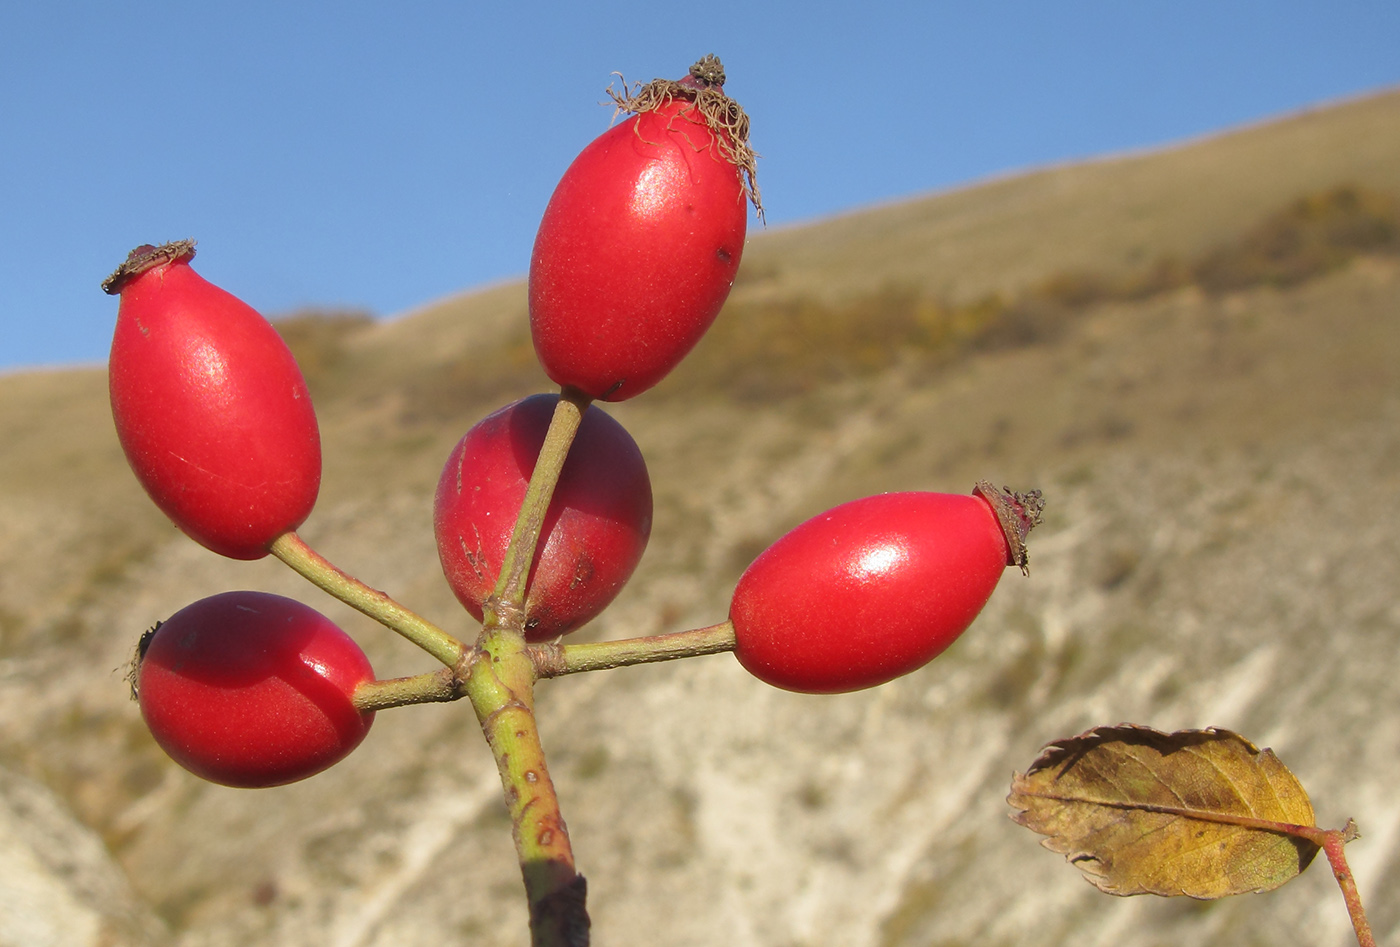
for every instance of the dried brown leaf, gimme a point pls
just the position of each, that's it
(1140, 811)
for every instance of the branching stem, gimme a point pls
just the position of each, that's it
(500, 682)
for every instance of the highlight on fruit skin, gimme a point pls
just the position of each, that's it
(251, 689)
(875, 588)
(211, 409)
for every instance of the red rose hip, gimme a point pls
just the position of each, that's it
(210, 407)
(251, 689)
(641, 240)
(595, 530)
(875, 588)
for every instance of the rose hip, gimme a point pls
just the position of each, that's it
(210, 407)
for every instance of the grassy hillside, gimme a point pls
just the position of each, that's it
(1195, 352)
(1067, 236)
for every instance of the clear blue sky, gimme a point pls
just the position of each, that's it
(379, 156)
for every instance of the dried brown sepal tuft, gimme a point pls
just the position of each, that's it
(1018, 514)
(142, 259)
(133, 667)
(704, 88)
(708, 70)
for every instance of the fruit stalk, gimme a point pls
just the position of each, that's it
(316, 569)
(506, 605)
(434, 687)
(500, 683)
(557, 659)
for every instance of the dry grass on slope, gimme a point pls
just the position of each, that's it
(761, 349)
(764, 350)
(1109, 215)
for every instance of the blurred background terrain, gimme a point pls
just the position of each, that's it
(1194, 352)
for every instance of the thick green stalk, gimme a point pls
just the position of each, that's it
(500, 682)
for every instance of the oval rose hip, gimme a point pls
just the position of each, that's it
(210, 407)
(875, 588)
(640, 242)
(252, 689)
(595, 530)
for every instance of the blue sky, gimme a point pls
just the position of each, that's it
(379, 156)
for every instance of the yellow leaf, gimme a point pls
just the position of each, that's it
(1196, 812)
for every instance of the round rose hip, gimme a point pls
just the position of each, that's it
(595, 530)
(875, 588)
(210, 407)
(251, 689)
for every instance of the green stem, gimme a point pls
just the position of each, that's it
(500, 684)
(312, 566)
(433, 687)
(556, 659)
(507, 601)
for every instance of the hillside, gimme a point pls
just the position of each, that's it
(1194, 352)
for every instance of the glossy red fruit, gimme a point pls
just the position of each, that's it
(597, 526)
(251, 689)
(638, 247)
(874, 589)
(210, 407)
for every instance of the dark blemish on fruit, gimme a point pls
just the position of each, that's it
(723, 256)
